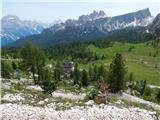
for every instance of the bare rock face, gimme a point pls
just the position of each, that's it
(107, 112)
(154, 27)
(100, 20)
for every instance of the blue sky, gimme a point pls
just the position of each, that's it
(51, 10)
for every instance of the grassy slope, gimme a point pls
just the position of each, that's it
(145, 71)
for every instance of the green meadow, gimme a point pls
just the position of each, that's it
(142, 59)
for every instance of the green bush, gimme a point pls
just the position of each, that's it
(48, 86)
(137, 86)
(47, 81)
(148, 91)
(112, 99)
(149, 94)
(6, 69)
(158, 96)
(92, 93)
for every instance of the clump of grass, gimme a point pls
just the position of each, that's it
(112, 99)
(18, 87)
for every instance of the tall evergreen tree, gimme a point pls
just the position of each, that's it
(95, 69)
(58, 71)
(130, 77)
(33, 59)
(117, 73)
(84, 78)
(14, 65)
(76, 75)
(101, 71)
(46, 80)
(91, 73)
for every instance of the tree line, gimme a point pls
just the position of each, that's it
(34, 61)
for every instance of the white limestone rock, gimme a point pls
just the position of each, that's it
(108, 112)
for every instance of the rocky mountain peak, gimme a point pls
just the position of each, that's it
(92, 16)
(154, 27)
(10, 18)
(97, 14)
(12, 28)
(143, 13)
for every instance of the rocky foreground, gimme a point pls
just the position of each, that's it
(94, 112)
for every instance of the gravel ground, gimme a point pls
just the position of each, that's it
(13, 97)
(72, 96)
(101, 112)
(128, 97)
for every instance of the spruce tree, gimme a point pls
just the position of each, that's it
(130, 77)
(101, 71)
(58, 71)
(116, 74)
(76, 75)
(33, 59)
(91, 73)
(95, 69)
(84, 78)
(14, 65)
(46, 81)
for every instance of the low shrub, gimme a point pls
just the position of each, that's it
(18, 86)
(92, 93)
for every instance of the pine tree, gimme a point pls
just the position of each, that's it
(101, 71)
(103, 57)
(76, 75)
(95, 69)
(91, 73)
(46, 81)
(95, 57)
(158, 96)
(116, 74)
(14, 65)
(33, 59)
(84, 78)
(130, 77)
(58, 71)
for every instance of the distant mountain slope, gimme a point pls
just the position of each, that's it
(89, 27)
(13, 28)
(154, 27)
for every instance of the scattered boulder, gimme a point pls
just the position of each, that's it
(100, 99)
(46, 100)
(90, 103)
(34, 87)
(41, 102)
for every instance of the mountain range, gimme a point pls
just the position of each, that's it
(12, 28)
(131, 26)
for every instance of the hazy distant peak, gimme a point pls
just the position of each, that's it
(92, 16)
(144, 12)
(10, 18)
